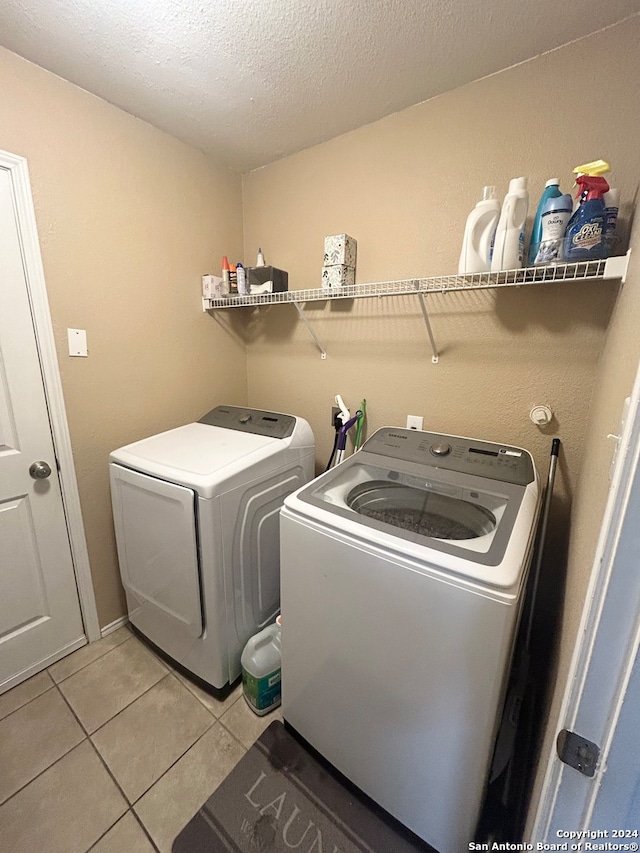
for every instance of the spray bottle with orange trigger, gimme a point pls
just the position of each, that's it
(585, 235)
(595, 169)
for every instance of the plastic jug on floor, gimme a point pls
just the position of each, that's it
(261, 669)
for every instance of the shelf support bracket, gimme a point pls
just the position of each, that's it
(435, 358)
(323, 352)
(617, 267)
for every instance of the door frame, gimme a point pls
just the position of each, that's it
(36, 287)
(603, 660)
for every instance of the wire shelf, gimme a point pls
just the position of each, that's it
(601, 270)
(581, 271)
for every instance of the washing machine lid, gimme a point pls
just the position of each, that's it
(444, 493)
(201, 455)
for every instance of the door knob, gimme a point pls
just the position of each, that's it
(40, 470)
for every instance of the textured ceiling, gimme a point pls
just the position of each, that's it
(250, 81)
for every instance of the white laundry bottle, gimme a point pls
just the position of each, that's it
(261, 669)
(478, 234)
(508, 246)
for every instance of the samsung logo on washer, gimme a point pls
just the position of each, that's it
(397, 435)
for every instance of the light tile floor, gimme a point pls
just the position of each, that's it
(110, 750)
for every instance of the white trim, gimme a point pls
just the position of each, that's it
(113, 626)
(36, 286)
(627, 632)
(626, 468)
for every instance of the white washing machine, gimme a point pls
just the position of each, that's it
(196, 519)
(403, 572)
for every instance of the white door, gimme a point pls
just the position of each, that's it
(602, 701)
(40, 617)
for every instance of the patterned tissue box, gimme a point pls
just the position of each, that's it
(340, 249)
(338, 275)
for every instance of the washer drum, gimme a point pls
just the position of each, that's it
(421, 511)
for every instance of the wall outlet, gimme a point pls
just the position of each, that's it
(334, 411)
(414, 422)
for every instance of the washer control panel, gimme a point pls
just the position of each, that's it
(454, 453)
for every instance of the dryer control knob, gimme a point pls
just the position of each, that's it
(440, 449)
(244, 419)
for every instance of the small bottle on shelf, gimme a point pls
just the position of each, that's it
(225, 275)
(233, 280)
(243, 287)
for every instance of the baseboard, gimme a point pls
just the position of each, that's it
(113, 626)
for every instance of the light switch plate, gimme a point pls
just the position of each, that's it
(77, 342)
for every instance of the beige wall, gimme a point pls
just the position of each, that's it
(403, 187)
(129, 219)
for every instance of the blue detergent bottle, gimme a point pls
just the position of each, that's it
(585, 237)
(551, 190)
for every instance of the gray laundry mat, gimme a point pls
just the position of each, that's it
(280, 797)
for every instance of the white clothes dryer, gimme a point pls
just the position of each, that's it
(403, 572)
(195, 511)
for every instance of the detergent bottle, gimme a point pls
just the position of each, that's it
(551, 190)
(478, 234)
(585, 236)
(508, 247)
